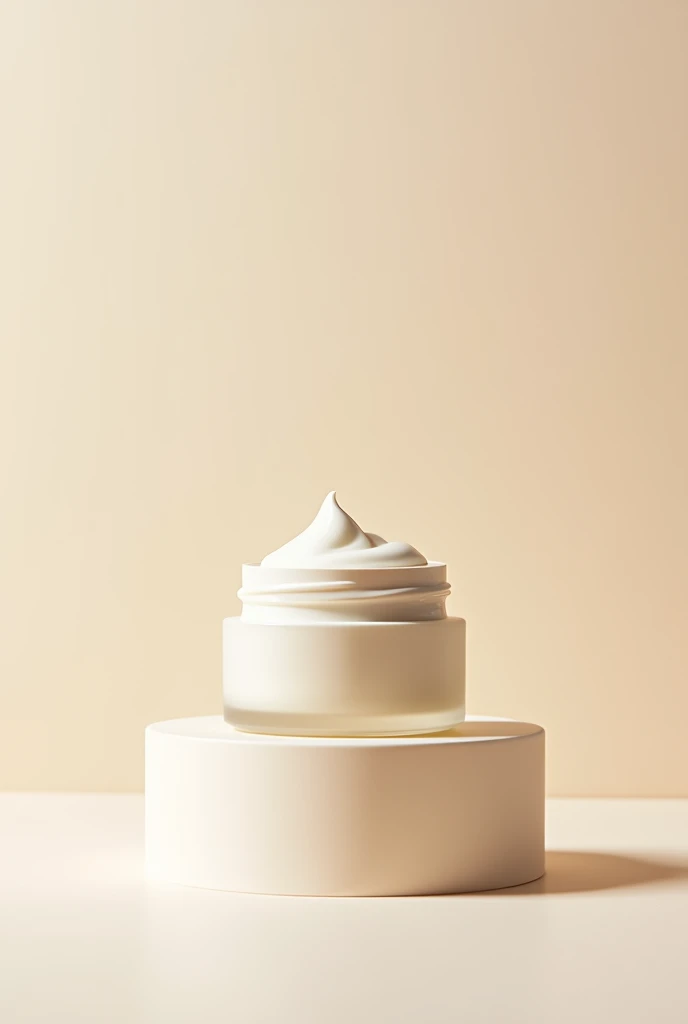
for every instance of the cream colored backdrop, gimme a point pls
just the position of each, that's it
(432, 253)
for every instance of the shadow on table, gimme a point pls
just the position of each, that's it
(583, 871)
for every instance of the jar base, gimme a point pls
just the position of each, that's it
(290, 724)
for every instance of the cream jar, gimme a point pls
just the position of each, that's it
(343, 634)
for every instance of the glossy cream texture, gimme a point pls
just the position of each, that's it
(334, 571)
(335, 540)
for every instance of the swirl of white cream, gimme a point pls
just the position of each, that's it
(335, 541)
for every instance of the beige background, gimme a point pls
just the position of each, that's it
(433, 254)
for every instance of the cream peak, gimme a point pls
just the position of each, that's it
(335, 540)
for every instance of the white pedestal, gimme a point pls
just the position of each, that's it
(453, 812)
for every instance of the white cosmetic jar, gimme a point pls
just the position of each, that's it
(344, 652)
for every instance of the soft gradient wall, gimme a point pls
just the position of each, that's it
(433, 254)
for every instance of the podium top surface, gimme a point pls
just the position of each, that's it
(476, 728)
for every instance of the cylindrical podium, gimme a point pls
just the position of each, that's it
(451, 812)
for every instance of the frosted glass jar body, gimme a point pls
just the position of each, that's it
(344, 679)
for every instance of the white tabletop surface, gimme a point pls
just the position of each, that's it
(83, 937)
